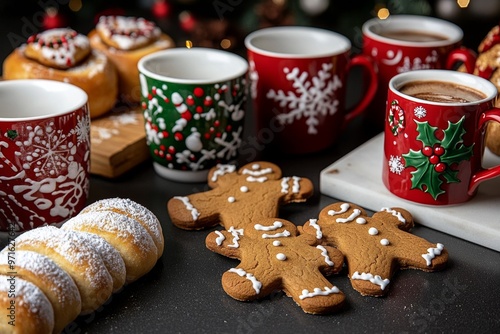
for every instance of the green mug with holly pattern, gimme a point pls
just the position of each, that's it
(434, 135)
(194, 109)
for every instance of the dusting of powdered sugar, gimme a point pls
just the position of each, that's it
(135, 211)
(121, 226)
(29, 296)
(109, 255)
(59, 282)
(70, 246)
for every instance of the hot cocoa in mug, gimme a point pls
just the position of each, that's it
(441, 92)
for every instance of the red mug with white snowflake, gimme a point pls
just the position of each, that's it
(194, 110)
(298, 86)
(434, 135)
(44, 153)
(402, 43)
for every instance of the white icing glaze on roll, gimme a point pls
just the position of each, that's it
(256, 284)
(319, 292)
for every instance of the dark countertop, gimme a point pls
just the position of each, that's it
(183, 293)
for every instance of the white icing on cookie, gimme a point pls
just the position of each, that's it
(324, 252)
(236, 236)
(276, 243)
(370, 277)
(231, 199)
(194, 212)
(318, 292)
(255, 283)
(281, 256)
(222, 170)
(395, 213)
(354, 215)
(244, 189)
(276, 225)
(314, 224)
(276, 235)
(372, 231)
(384, 242)
(220, 239)
(432, 252)
(343, 208)
(360, 221)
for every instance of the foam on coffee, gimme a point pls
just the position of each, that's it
(413, 36)
(441, 91)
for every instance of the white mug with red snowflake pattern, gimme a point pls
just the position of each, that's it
(434, 135)
(44, 153)
(194, 110)
(298, 86)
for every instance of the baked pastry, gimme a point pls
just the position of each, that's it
(65, 55)
(125, 40)
(61, 273)
(55, 283)
(135, 211)
(488, 67)
(126, 235)
(31, 312)
(81, 261)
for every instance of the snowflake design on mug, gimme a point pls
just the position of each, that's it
(49, 154)
(311, 98)
(396, 165)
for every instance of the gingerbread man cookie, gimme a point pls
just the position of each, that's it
(238, 197)
(375, 247)
(274, 257)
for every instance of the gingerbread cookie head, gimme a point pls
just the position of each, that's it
(239, 196)
(127, 33)
(60, 48)
(274, 257)
(375, 247)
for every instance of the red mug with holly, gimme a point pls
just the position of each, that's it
(434, 135)
(298, 86)
(403, 43)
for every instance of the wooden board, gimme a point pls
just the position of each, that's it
(118, 142)
(357, 178)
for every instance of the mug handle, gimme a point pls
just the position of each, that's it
(463, 55)
(360, 107)
(489, 173)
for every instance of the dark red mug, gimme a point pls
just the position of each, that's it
(403, 43)
(298, 86)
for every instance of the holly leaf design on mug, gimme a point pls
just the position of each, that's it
(434, 162)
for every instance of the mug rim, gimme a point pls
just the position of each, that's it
(80, 96)
(464, 79)
(240, 69)
(331, 50)
(455, 33)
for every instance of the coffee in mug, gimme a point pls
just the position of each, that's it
(442, 92)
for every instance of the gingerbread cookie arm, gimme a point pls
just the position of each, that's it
(193, 212)
(226, 243)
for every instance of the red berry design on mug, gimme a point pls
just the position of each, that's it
(433, 162)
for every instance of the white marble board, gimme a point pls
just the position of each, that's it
(357, 178)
